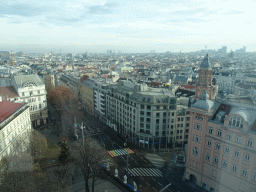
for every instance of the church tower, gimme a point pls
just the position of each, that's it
(205, 80)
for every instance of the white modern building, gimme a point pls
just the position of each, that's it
(141, 113)
(99, 96)
(32, 91)
(14, 124)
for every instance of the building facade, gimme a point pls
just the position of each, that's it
(99, 95)
(87, 98)
(141, 113)
(32, 91)
(14, 124)
(225, 83)
(221, 155)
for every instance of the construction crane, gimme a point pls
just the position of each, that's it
(9, 54)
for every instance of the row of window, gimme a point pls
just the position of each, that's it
(226, 150)
(234, 167)
(31, 92)
(15, 122)
(228, 137)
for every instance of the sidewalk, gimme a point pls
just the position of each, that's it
(100, 186)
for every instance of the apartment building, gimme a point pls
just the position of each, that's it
(99, 95)
(14, 123)
(70, 82)
(142, 113)
(32, 91)
(86, 90)
(221, 155)
(181, 120)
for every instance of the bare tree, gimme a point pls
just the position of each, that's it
(89, 155)
(33, 142)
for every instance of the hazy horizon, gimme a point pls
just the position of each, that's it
(127, 26)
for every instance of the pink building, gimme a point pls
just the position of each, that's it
(221, 151)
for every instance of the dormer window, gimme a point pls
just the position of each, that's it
(236, 122)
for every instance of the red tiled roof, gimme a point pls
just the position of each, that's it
(84, 78)
(154, 84)
(8, 108)
(188, 86)
(8, 91)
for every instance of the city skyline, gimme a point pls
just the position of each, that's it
(128, 26)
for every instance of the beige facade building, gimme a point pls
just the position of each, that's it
(87, 98)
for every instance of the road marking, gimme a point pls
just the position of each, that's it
(148, 172)
(157, 173)
(142, 178)
(153, 179)
(159, 183)
(147, 183)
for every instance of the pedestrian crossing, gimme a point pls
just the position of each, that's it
(155, 160)
(118, 152)
(145, 172)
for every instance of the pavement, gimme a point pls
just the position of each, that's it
(101, 185)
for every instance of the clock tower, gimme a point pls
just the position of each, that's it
(205, 80)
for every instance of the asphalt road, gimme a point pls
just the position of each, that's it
(143, 172)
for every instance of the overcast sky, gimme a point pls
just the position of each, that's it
(126, 25)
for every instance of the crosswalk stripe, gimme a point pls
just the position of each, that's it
(137, 172)
(147, 171)
(112, 154)
(144, 172)
(118, 152)
(154, 171)
(158, 171)
(133, 172)
(121, 152)
(150, 171)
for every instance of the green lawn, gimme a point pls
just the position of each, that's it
(50, 156)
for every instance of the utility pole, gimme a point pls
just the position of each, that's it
(82, 127)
